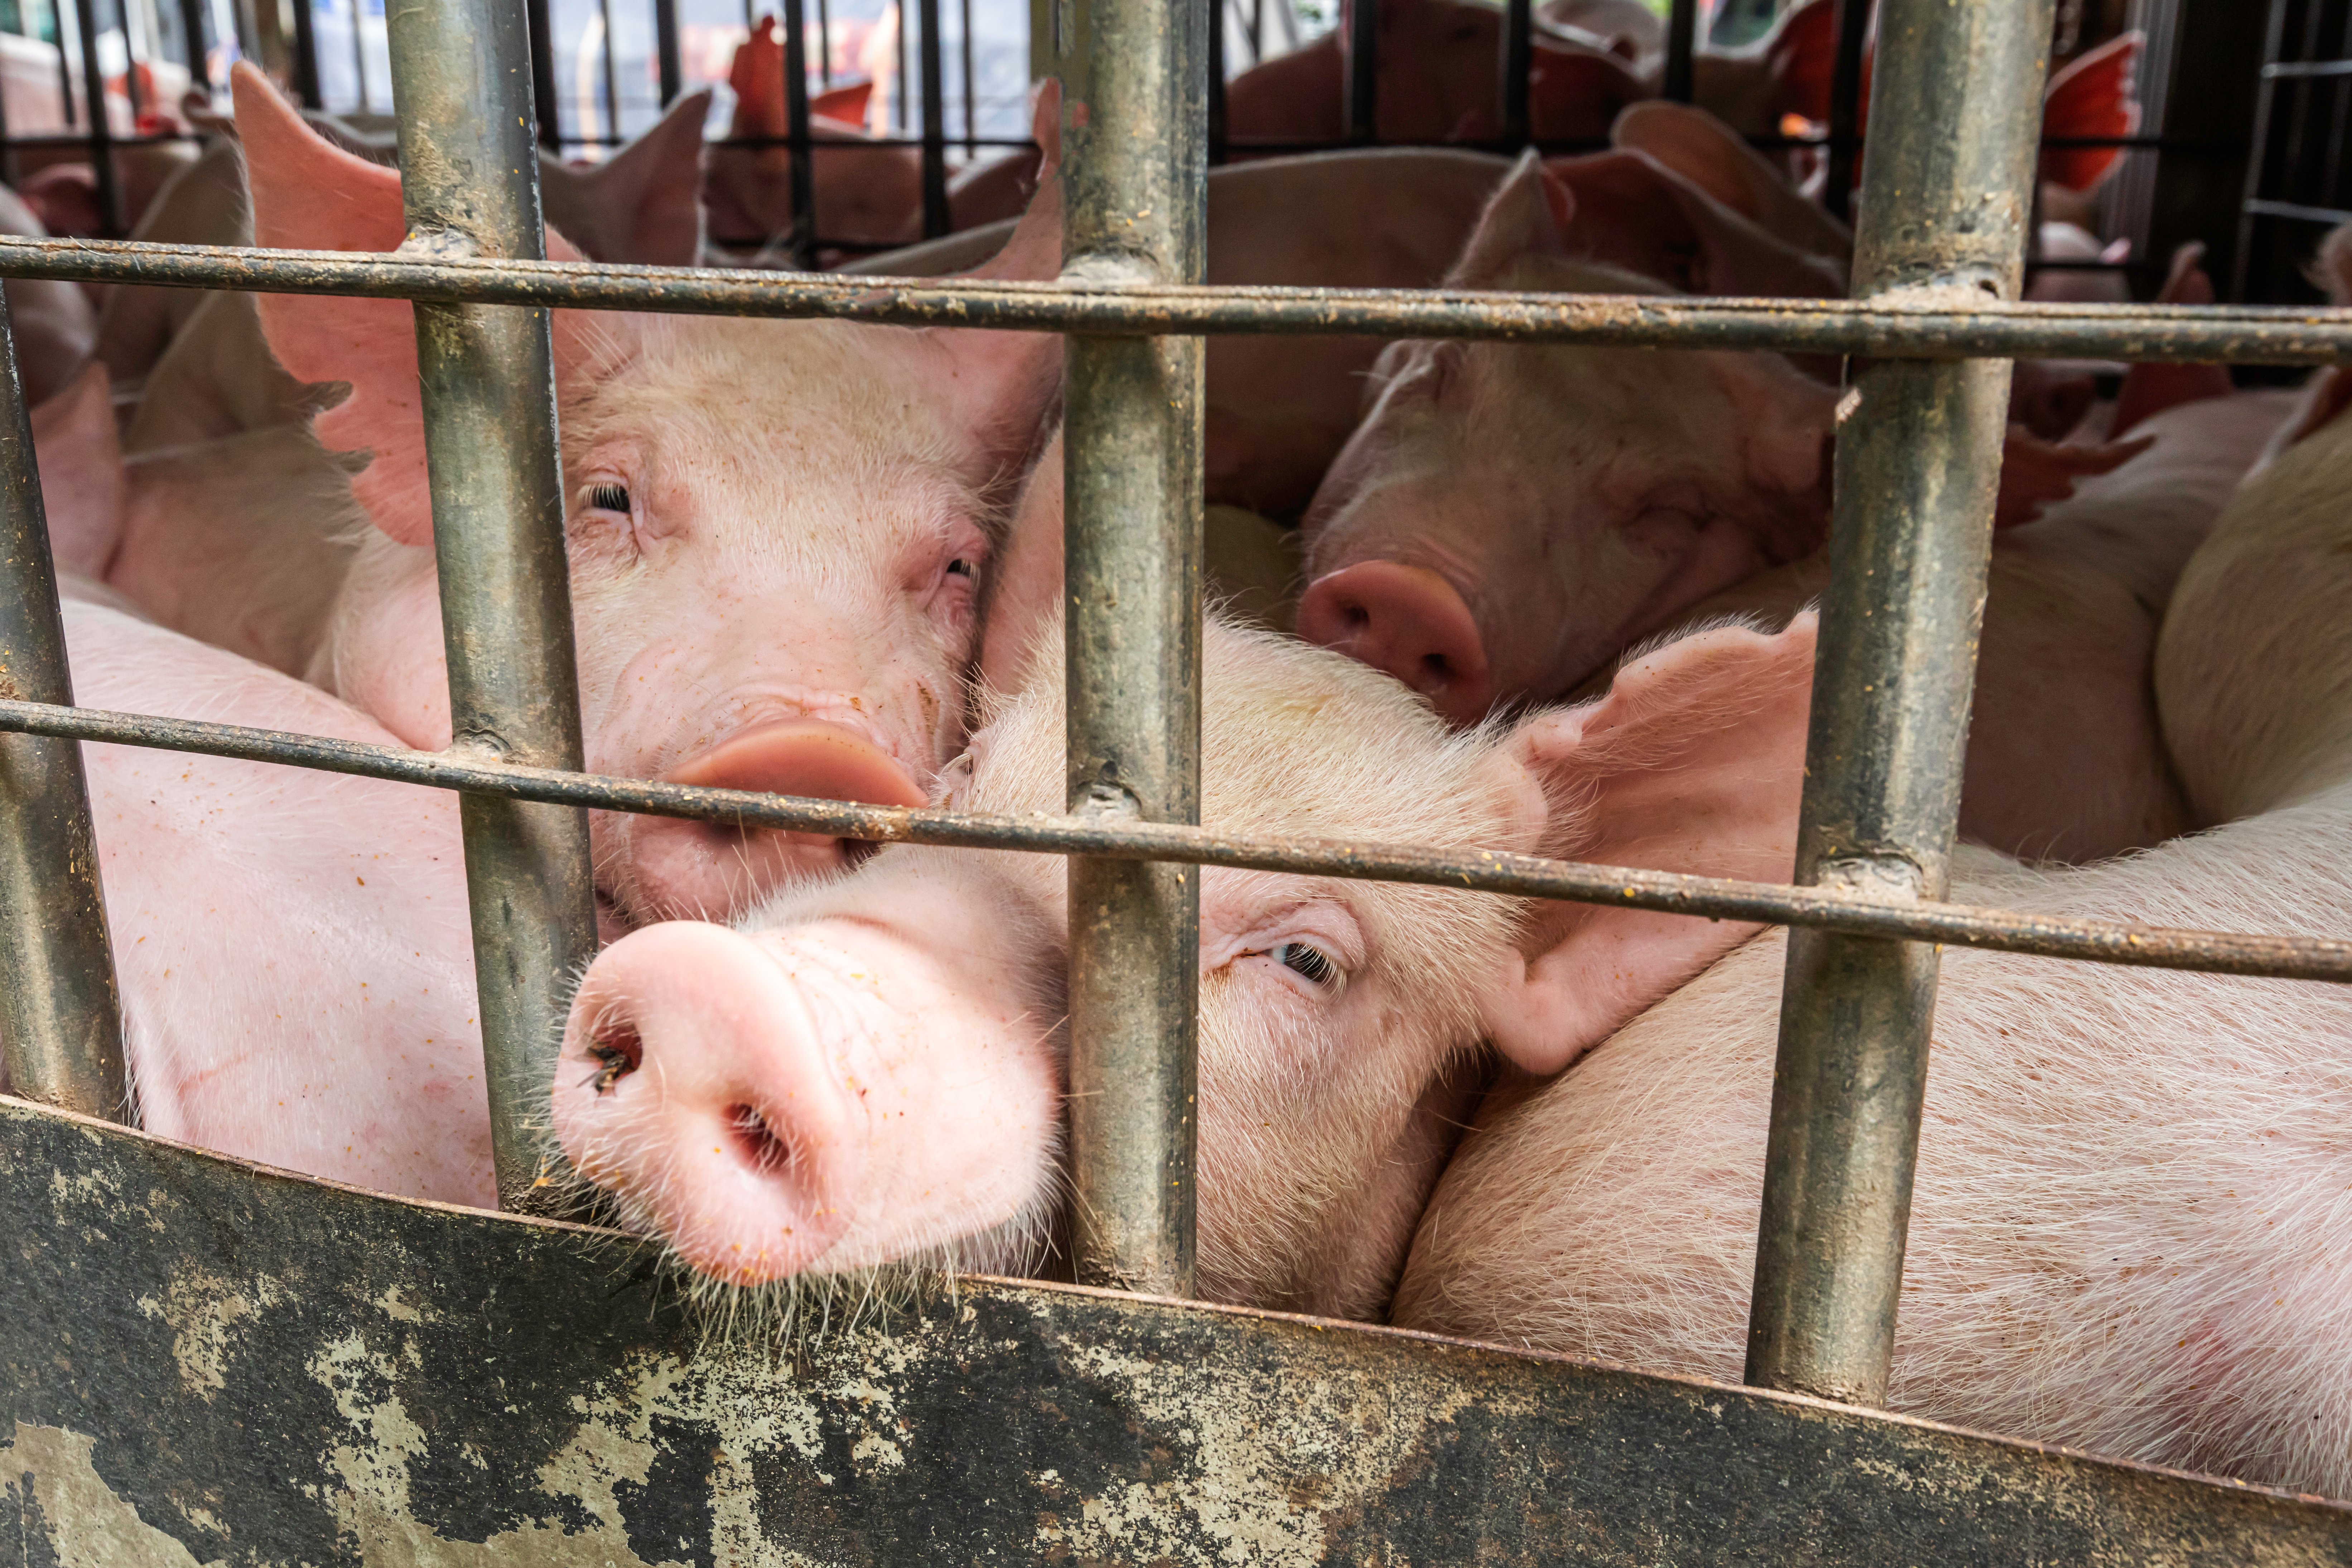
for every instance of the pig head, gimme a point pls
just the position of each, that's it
(775, 529)
(869, 1070)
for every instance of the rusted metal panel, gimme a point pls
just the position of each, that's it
(199, 1364)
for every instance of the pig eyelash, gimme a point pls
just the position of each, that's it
(1310, 963)
(609, 497)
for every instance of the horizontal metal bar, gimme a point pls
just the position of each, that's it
(2277, 68)
(2260, 207)
(1932, 328)
(1480, 871)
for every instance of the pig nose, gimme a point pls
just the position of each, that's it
(712, 869)
(692, 1087)
(1408, 621)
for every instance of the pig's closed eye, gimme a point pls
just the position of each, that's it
(959, 567)
(1310, 963)
(609, 497)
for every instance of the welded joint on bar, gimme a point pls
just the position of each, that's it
(1881, 879)
(1107, 806)
(441, 243)
(1111, 270)
(1966, 290)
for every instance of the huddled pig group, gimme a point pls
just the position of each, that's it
(1548, 599)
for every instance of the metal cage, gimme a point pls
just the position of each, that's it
(204, 1361)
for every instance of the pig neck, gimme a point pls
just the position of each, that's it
(383, 652)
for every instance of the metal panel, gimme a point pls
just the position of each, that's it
(60, 1021)
(1946, 192)
(201, 1363)
(469, 176)
(1136, 196)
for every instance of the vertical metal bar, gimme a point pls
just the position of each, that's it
(131, 59)
(470, 178)
(1946, 180)
(541, 25)
(1845, 106)
(804, 142)
(1518, 65)
(102, 128)
(1216, 107)
(65, 69)
(1363, 49)
(1257, 32)
(2258, 153)
(59, 1017)
(1137, 212)
(359, 59)
(1682, 44)
(935, 124)
(899, 97)
(612, 80)
(192, 23)
(824, 44)
(970, 94)
(306, 56)
(672, 68)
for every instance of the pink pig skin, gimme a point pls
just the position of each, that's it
(775, 529)
(293, 947)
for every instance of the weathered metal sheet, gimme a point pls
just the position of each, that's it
(200, 1364)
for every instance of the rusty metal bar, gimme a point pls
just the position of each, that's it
(1845, 106)
(306, 56)
(60, 1019)
(804, 143)
(1362, 113)
(101, 129)
(1517, 68)
(469, 176)
(935, 122)
(1948, 191)
(1928, 327)
(1682, 50)
(1137, 191)
(1479, 871)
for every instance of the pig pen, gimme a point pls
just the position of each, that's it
(209, 1362)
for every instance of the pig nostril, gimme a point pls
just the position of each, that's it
(1437, 667)
(1358, 617)
(762, 1150)
(618, 1049)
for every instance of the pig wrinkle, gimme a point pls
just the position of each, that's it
(2135, 1186)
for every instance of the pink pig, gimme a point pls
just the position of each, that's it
(775, 529)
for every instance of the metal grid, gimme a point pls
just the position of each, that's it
(1916, 468)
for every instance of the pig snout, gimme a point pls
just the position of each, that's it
(693, 1085)
(1408, 621)
(699, 869)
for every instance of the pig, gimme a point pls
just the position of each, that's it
(866, 192)
(55, 327)
(292, 946)
(242, 542)
(199, 358)
(2131, 1205)
(873, 1063)
(1637, 505)
(775, 529)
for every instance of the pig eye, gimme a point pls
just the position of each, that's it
(609, 497)
(959, 567)
(1310, 963)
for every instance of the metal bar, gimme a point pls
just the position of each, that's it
(1948, 189)
(803, 142)
(1136, 193)
(60, 1020)
(305, 54)
(65, 67)
(1682, 43)
(359, 59)
(102, 127)
(1518, 70)
(1362, 111)
(193, 26)
(1932, 328)
(470, 178)
(544, 94)
(971, 91)
(1475, 872)
(1216, 99)
(899, 83)
(2258, 153)
(2299, 213)
(2280, 68)
(1845, 106)
(935, 123)
(130, 60)
(824, 44)
(611, 83)
(672, 69)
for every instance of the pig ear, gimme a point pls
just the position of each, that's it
(2096, 96)
(1694, 761)
(846, 104)
(2036, 472)
(640, 206)
(1711, 155)
(1033, 253)
(2150, 389)
(1668, 228)
(1528, 215)
(84, 486)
